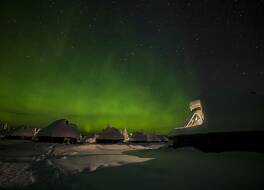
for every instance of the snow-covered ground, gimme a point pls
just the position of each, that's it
(18, 157)
(50, 166)
(77, 158)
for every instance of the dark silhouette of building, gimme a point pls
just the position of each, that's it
(60, 131)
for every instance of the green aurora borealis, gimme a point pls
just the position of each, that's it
(62, 67)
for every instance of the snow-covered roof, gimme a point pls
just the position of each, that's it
(189, 130)
(110, 133)
(139, 137)
(60, 128)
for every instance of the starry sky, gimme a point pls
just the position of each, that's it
(133, 64)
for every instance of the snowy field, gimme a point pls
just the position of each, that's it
(19, 160)
(28, 165)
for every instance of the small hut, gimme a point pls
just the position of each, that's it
(23, 132)
(60, 131)
(138, 137)
(110, 135)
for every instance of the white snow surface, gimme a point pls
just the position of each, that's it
(17, 157)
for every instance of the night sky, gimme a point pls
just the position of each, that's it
(133, 64)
